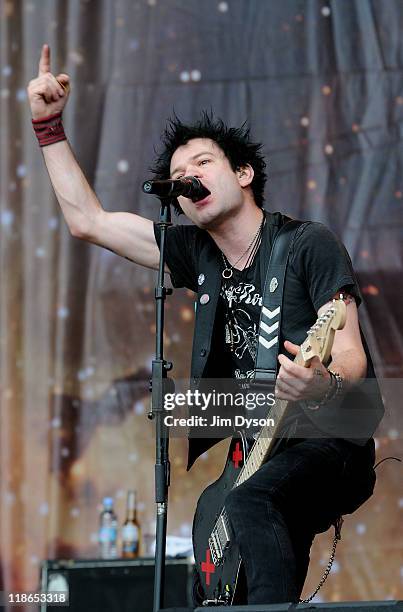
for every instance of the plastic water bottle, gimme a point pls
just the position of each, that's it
(108, 530)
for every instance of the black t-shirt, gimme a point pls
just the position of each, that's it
(319, 266)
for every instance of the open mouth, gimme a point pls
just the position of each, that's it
(202, 202)
(202, 198)
(201, 195)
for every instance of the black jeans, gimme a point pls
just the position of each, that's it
(276, 513)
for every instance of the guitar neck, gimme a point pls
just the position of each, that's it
(263, 443)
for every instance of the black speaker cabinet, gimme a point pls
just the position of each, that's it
(118, 585)
(348, 606)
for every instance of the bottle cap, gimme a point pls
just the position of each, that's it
(108, 502)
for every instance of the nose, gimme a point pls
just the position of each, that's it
(193, 170)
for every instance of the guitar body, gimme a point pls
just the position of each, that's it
(218, 583)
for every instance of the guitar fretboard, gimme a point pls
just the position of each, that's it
(263, 443)
(267, 435)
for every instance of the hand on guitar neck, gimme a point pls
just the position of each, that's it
(298, 380)
(308, 379)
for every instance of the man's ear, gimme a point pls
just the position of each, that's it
(245, 175)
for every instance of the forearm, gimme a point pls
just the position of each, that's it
(348, 355)
(314, 384)
(351, 365)
(77, 200)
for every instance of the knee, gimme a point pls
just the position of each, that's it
(245, 502)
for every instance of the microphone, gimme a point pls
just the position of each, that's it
(188, 186)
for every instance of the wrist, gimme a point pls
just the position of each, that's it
(338, 382)
(36, 120)
(334, 389)
(319, 386)
(49, 129)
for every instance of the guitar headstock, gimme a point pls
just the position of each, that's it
(320, 337)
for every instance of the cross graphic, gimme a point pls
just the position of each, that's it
(208, 567)
(237, 455)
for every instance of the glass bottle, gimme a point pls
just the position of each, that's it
(131, 529)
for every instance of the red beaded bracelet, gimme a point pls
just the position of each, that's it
(49, 129)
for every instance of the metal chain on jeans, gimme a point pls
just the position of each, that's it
(337, 536)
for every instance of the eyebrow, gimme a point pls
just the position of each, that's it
(192, 159)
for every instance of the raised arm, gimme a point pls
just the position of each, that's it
(125, 233)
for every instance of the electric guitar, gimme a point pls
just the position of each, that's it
(217, 557)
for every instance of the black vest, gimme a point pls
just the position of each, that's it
(202, 358)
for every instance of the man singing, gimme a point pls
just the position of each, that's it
(222, 257)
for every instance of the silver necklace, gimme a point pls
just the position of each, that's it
(229, 268)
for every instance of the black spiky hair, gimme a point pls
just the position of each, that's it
(234, 142)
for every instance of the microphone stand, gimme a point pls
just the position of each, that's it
(158, 386)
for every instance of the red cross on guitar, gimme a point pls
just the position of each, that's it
(237, 455)
(207, 567)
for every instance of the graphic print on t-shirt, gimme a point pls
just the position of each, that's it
(242, 304)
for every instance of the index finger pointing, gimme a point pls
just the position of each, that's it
(44, 62)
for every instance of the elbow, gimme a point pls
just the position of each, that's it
(80, 230)
(85, 226)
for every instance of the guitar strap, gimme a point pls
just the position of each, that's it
(272, 304)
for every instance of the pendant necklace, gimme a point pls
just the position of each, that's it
(230, 325)
(229, 268)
